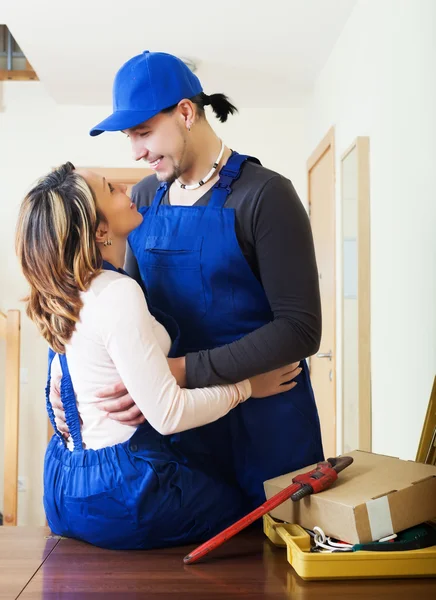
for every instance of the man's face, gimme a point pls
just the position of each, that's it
(162, 143)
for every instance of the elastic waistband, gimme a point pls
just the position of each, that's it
(144, 435)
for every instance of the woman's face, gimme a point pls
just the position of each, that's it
(119, 212)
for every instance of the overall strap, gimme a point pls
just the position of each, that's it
(160, 193)
(51, 415)
(68, 398)
(228, 175)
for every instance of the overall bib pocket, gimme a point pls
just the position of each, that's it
(173, 277)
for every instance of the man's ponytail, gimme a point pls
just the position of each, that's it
(220, 104)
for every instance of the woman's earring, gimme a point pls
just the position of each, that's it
(107, 242)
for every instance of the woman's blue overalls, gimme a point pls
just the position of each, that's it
(193, 269)
(143, 493)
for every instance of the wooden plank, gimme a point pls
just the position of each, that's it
(12, 407)
(248, 567)
(22, 552)
(24, 75)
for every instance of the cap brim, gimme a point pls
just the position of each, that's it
(123, 119)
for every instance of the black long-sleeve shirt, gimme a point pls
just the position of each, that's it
(274, 234)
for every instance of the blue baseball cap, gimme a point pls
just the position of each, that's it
(144, 86)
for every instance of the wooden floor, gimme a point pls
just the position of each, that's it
(35, 565)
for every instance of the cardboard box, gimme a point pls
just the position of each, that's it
(374, 497)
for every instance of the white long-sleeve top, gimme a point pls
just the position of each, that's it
(117, 338)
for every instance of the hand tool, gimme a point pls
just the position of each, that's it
(317, 480)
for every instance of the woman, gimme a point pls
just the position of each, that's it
(111, 485)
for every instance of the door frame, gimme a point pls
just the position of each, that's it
(328, 143)
(361, 146)
(130, 176)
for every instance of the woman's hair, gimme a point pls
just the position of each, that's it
(220, 104)
(56, 246)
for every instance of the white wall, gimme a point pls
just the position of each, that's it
(35, 135)
(380, 81)
(277, 137)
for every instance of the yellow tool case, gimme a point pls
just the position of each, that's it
(347, 565)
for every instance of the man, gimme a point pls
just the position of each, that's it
(226, 249)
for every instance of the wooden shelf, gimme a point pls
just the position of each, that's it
(27, 75)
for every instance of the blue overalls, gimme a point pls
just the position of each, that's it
(143, 493)
(194, 270)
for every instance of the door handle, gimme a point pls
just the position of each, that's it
(328, 355)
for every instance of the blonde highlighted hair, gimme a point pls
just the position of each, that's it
(58, 252)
